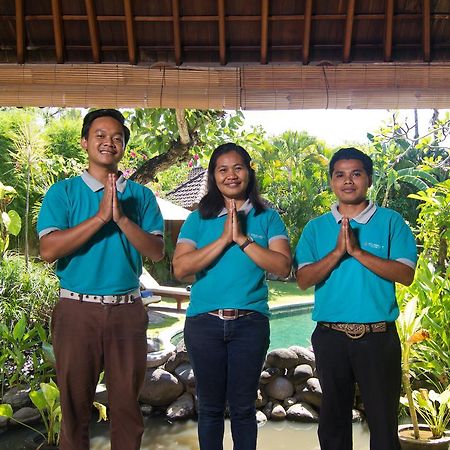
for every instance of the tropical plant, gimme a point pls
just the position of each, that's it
(292, 171)
(10, 221)
(434, 408)
(22, 356)
(434, 222)
(410, 332)
(47, 401)
(33, 292)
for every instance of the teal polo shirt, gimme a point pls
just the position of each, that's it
(351, 292)
(233, 280)
(108, 263)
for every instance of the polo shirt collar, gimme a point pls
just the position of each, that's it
(96, 186)
(363, 217)
(245, 208)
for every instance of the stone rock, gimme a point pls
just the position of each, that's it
(18, 397)
(101, 394)
(185, 374)
(267, 410)
(313, 385)
(261, 399)
(357, 416)
(304, 355)
(154, 345)
(278, 413)
(156, 359)
(177, 358)
(301, 373)
(160, 388)
(302, 412)
(282, 358)
(191, 389)
(3, 422)
(288, 402)
(280, 388)
(267, 375)
(312, 398)
(181, 408)
(260, 417)
(147, 410)
(26, 415)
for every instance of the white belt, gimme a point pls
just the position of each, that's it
(119, 299)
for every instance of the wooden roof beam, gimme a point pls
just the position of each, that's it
(349, 30)
(222, 34)
(131, 40)
(20, 32)
(388, 30)
(58, 30)
(264, 30)
(93, 30)
(176, 31)
(307, 31)
(426, 31)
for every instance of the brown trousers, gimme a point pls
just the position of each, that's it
(89, 338)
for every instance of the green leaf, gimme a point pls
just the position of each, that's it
(102, 414)
(15, 223)
(6, 410)
(51, 394)
(38, 399)
(19, 329)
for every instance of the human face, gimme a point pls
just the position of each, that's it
(105, 143)
(231, 176)
(350, 182)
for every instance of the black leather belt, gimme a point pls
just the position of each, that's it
(357, 330)
(230, 314)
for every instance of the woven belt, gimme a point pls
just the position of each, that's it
(230, 314)
(119, 299)
(357, 330)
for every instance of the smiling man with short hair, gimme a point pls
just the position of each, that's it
(353, 256)
(97, 226)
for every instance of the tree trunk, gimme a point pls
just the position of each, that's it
(178, 152)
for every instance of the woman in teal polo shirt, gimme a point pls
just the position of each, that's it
(228, 244)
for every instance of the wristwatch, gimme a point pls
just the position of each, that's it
(248, 241)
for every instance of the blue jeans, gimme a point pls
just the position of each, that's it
(227, 358)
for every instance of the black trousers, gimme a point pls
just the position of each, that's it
(374, 363)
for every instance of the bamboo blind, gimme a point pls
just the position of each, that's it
(247, 87)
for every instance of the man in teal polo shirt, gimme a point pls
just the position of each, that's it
(353, 256)
(97, 226)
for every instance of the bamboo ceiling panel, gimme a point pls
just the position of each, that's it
(252, 54)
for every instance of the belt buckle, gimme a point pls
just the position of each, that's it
(235, 316)
(355, 330)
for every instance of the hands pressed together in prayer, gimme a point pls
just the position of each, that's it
(110, 206)
(347, 242)
(232, 229)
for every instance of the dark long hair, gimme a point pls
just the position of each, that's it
(212, 203)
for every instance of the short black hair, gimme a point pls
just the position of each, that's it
(352, 153)
(114, 113)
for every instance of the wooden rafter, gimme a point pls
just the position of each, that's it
(307, 31)
(20, 32)
(349, 30)
(426, 31)
(58, 30)
(93, 30)
(176, 31)
(131, 40)
(388, 30)
(264, 30)
(222, 35)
